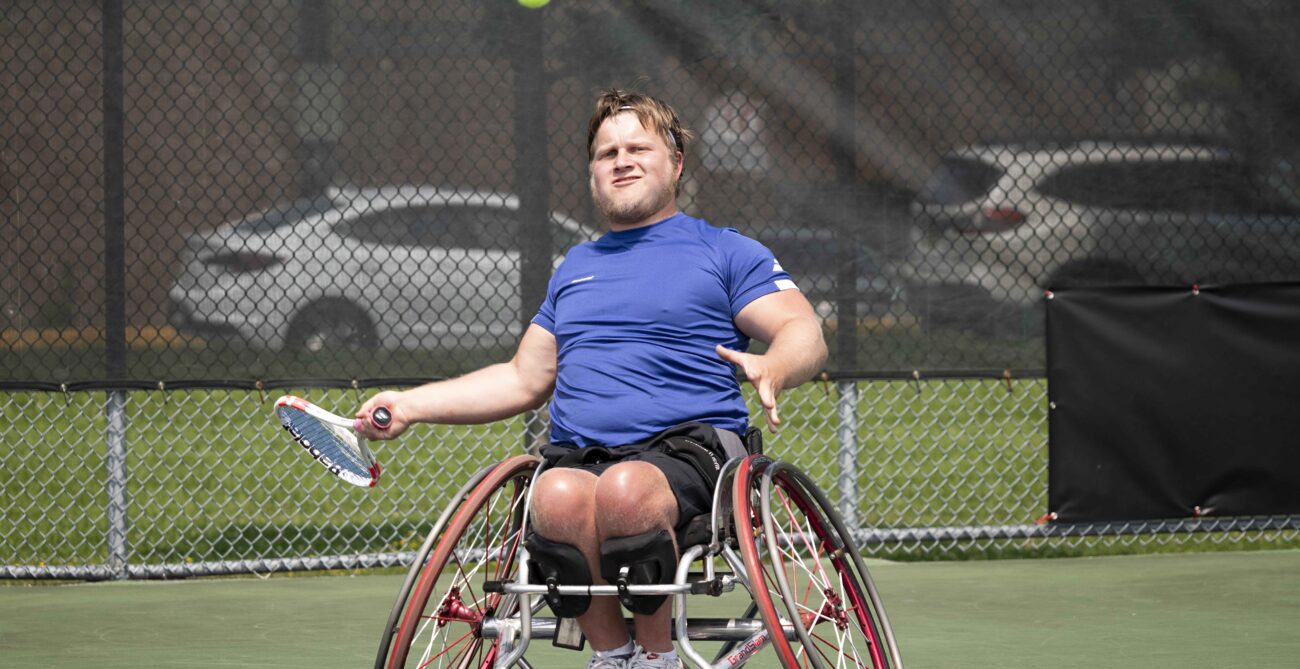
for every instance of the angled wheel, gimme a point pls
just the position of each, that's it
(421, 557)
(805, 571)
(435, 622)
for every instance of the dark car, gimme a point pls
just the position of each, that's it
(812, 258)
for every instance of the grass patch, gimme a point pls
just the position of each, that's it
(212, 476)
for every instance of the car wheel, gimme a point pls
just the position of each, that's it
(331, 324)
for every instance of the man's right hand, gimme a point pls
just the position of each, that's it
(390, 400)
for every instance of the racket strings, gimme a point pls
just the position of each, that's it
(334, 446)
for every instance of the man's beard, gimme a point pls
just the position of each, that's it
(631, 213)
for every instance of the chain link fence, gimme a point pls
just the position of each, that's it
(202, 197)
(199, 481)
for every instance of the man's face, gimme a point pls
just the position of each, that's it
(633, 173)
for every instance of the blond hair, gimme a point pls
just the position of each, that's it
(654, 114)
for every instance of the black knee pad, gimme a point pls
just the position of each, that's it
(551, 563)
(643, 559)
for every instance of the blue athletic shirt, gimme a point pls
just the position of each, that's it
(636, 315)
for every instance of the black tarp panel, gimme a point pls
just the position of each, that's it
(1174, 402)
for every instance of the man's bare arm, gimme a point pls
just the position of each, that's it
(482, 396)
(785, 321)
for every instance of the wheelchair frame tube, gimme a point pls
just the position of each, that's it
(699, 629)
(679, 600)
(596, 590)
(516, 633)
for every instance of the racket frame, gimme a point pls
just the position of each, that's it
(336, 420)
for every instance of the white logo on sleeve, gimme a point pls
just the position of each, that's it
(585, 278)
(776, 265)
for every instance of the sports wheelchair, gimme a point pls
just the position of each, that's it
(473, 596)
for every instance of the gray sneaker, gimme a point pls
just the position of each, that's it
(643, 659)
(616, 662)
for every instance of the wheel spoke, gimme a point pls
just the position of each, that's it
(841, 657)
(806, 562)
(449, 601)
(817, 578)
(495, 531)
(427, 660)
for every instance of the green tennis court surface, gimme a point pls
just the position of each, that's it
(1206, 609)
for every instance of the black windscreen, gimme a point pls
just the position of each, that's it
(1174, 402)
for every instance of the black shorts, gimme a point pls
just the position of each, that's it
(691, 483)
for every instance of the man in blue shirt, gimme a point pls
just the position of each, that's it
(641, 331)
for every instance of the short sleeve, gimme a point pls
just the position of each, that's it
(546, 313)
(751, 270)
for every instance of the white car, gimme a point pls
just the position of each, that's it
(996, 225)
(395, 266)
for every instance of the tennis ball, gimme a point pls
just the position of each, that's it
(533, 4)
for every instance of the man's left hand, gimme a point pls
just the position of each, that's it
(763, 376)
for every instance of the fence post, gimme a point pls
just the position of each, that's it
(847, 455)
(114, 193)
(844, 157)
(115, 281)
(532, 177)
(115, 464)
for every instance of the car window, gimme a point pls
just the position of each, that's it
(386, 227)
(1143, 186)
(285, 214)
(1108, 185)
(1217, 187)
(449, 227)
(411, 226)
(957, 180)
(1236, 188)
(1222, 187)
(494, 228)
(500, 230)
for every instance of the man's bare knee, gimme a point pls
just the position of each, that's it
(563, 505)
(633, 497)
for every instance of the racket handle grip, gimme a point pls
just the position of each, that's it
(381, 418)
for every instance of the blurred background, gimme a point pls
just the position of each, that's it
(209, 194)
(381, 188)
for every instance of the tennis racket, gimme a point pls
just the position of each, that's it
(333, 440)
